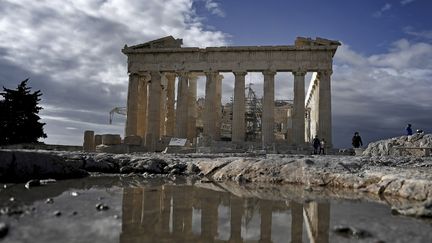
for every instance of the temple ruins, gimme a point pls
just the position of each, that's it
(158, 109)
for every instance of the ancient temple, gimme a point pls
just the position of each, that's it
(154, 110)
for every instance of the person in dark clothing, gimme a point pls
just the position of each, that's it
(316, 144)
(322, 146)
(409, 130)
(356, 140)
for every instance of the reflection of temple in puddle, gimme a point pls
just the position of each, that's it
(192, 214)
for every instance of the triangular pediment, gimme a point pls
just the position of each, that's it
(302, 41)
(165, 42)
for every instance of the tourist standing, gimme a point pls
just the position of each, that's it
(316, 144)
(409, 130)
(322, 146)
(356, 140)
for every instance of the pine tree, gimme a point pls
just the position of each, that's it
(19, 120)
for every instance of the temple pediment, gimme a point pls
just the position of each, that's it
(303, 41)
(165, 42)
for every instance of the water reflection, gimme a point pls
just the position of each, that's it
(191, 214)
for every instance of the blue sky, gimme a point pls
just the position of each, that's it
(369, 26)
(70, 49)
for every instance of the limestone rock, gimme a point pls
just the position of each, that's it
(150, 165)
(423, 209)
(101, 163)
(386, 147)
(4, 229)
(113, 149)
(32, 183)
(21, 166)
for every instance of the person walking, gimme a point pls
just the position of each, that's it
(408, 130)
(322, 146)
(316, 144)
(356, 140)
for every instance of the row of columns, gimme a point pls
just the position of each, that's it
(167, 213)
(151, 113)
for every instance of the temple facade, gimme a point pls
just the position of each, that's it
(157, 107)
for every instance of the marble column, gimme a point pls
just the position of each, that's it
(192, 107)
(218, 104)
(163, 103)
(317, 217)
(142, 106)
(209, 218)
(209, 121)
(298, 120)
(153, 118)
(324, 108)
(266, 221)
(268, 108)
(239, 108)
(165, 212)
(132, 105)
(170, 121)
(236, 206)
(296, 222)
(182, 103)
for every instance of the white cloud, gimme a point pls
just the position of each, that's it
(378, 94)
(214, 8)
(405, 69)
(71, 48)
(424, 34)
(383, 9)
(405, 2)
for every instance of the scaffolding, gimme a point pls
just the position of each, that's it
(253, 114)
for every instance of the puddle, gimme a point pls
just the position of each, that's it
(156, 211)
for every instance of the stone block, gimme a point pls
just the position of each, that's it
(111, 139)
(89, 144)
(98, 140)
(133, 140)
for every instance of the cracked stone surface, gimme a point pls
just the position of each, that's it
(405, 177)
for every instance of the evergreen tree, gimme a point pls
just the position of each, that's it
(19, 120)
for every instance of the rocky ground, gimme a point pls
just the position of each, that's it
(390, 146)
(395, 176)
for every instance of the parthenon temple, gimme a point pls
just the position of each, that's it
(154, 111)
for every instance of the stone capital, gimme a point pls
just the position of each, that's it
(192, 75)
(182, 73)
(269, 72)
(144, 75)
(209, 74)
(325, 72)
(299, 73)
(240, 73)
(170, 76)
(154, 74)
(133, 74)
